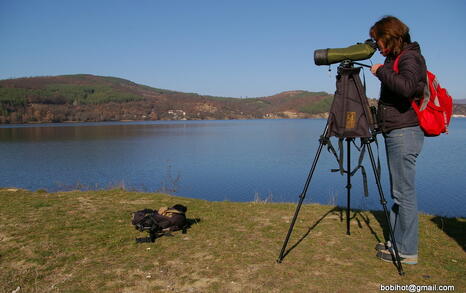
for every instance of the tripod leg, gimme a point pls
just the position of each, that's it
(348, 185)
(384, 204)
(301, 199)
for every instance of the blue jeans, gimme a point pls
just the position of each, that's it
(403, 147)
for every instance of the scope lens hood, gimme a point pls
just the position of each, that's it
(320, 57)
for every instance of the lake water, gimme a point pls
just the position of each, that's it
(218, 160)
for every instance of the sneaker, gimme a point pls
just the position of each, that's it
(389, 256)
(383, 246)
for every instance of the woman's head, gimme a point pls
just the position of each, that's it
(391, 34)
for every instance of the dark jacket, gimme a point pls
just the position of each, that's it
(399, 89)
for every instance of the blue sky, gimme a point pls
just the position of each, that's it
(223, 48)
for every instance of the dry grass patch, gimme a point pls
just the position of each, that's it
(83, 242)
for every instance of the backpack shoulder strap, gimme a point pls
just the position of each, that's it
(426, 95)
(395, 64)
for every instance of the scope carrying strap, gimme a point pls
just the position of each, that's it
(362, 151)
(340, 160)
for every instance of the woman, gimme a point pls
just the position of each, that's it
(400, 127)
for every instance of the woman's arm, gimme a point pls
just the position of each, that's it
(405, 82)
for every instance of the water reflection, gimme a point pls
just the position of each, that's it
(84, 131)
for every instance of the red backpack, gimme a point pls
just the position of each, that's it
(435, 108)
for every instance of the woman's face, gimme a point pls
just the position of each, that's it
(384, 51)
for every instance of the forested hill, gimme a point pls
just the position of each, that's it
(86, 97)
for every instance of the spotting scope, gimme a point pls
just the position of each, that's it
(360, 51)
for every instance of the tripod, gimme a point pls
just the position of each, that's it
(349, 103)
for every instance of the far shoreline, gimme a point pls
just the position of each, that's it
(321, 116)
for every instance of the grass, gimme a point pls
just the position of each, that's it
(82, 241)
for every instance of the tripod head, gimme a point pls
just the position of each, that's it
(350, 63)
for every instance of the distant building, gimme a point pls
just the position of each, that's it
(177, 114)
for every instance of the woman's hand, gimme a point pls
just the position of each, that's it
(375, 67)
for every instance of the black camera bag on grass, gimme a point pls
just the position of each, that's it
(161, 221)
(144, 220)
